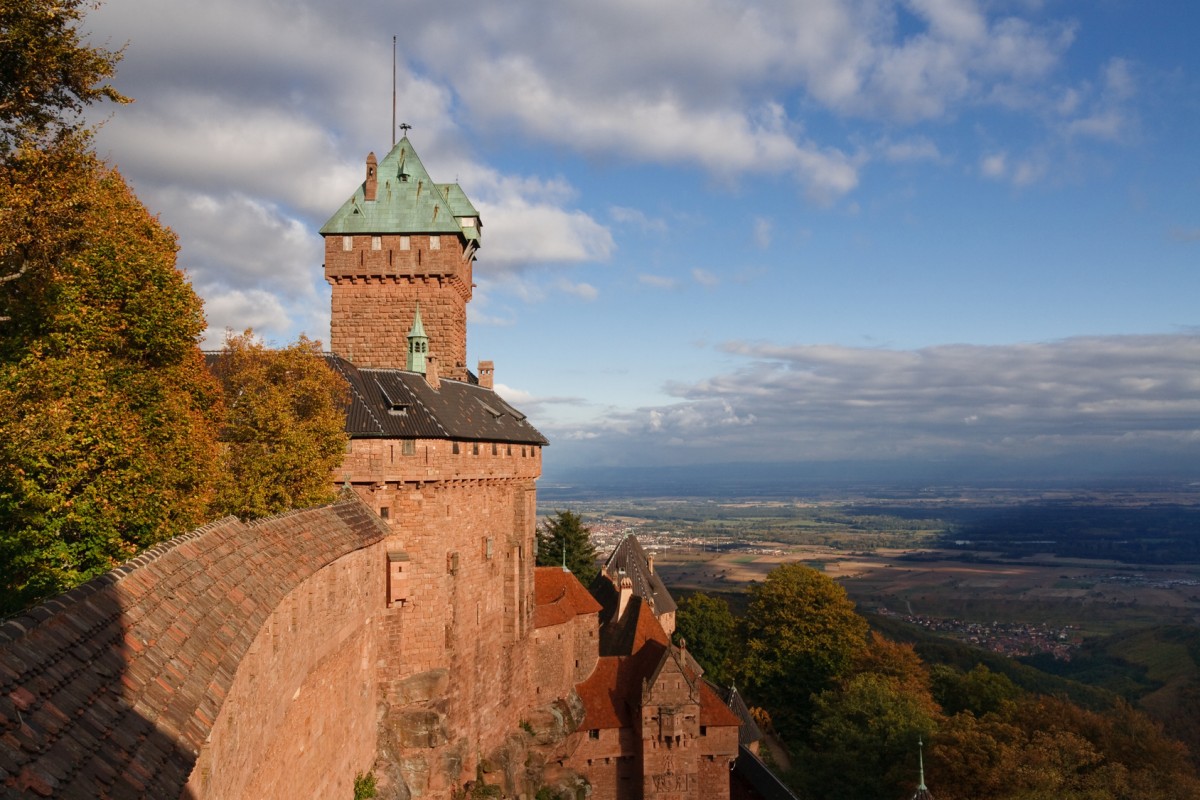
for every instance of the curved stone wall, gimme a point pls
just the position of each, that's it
(121, 687)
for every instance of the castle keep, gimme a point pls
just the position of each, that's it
(404, 630)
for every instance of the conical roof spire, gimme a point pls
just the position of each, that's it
(418, 344)
(922, 792)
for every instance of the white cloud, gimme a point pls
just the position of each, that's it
(658, 281)
(705, 277)
(584, 291)
(762, 232)
(994, 165)
(237, 309)
(819, 402)
(637, 218)
(917, 148)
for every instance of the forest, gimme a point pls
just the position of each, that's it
(848, 703)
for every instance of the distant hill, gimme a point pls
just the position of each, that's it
(1157, 669)
(861, 478)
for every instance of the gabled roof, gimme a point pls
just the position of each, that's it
(406, 201)
(625, 635)
(559, 597)
(398, 404)
(629, 559)
(749, 732)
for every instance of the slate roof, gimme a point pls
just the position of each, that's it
(753, 779)
(629, 559)
(398, 404)
(749, 733)
(110, 690)
(407, 201)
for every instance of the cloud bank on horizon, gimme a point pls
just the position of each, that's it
(688, 197)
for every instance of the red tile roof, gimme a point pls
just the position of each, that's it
(559, 597)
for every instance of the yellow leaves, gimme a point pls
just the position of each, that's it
(284, 429)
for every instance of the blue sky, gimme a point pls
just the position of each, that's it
(779, 231)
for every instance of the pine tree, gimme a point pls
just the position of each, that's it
(566, 529)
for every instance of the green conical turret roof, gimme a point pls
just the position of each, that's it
(406, 201)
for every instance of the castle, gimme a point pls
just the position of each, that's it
(403, 631)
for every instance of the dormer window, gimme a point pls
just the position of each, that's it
(470, 222)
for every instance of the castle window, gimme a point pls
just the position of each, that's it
(408, 447)
(385, 512)
(474, 448)
(376, 242)
(347, 243)
(594, 733)
(435, 243)
(405, 243)
(508, 450)
(704, 730)
(455, 448)
(494, 446)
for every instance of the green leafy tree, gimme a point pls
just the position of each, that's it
(284, 427)
(108, 416)
(47, 74)
(566, 530)
(864, 737)
(979, 691)
(708, 627)
(800, 634)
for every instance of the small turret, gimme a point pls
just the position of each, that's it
(418, 344)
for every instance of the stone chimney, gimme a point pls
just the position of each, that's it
(487, 374)
(431, 372)
(626, 587)
(371, 185)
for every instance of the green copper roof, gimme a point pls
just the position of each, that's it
(406, 201)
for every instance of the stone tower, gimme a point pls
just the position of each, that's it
(401, 239)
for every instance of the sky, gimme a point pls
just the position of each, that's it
(902, 231)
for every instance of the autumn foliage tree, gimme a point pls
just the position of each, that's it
(800, 634)
(47, 73)
(108, 417)
(283, 433)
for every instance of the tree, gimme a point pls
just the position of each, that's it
(708, 627)
(47, 75)
(979, 691)
(801, 633)
(863, 744)
(108, 416)
(284, 427)
(566, 529)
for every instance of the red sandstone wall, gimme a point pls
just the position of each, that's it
(377, 466)
(456, 655)
(299, 719)
(374, 301)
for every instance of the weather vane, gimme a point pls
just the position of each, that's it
(404, 126)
